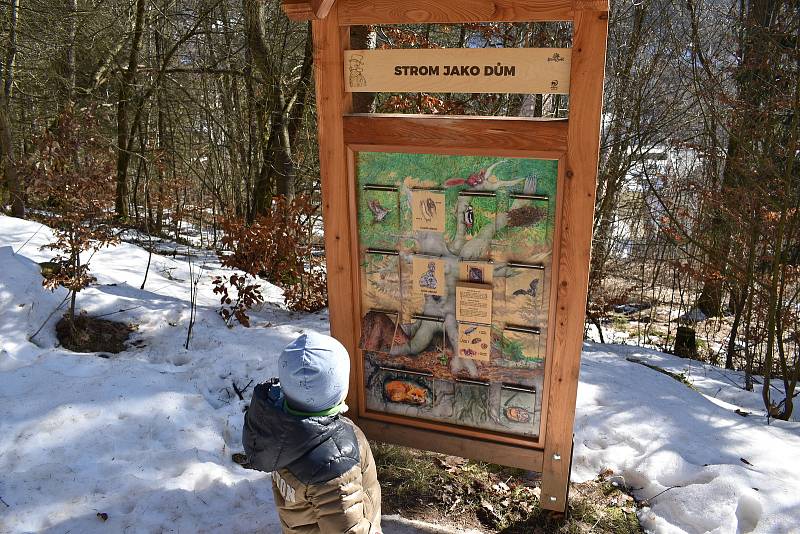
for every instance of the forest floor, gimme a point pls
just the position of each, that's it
(644, 319)
(655, 328)
(142, 440)
(481, 497)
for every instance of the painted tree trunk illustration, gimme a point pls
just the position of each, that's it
(461, 248)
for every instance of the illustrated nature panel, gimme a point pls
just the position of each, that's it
(455, 255)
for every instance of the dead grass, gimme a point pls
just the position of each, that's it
(450, 490)
(93, 335)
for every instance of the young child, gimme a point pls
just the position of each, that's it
(323, 473)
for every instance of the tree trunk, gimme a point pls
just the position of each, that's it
(161, 134)
(9, 162)
(614, 169)
(284, 111)
(685, 342)
(69, 91)
(15, 188)
(710, 299)
(12, 49)
(123, 128)
(751, 74)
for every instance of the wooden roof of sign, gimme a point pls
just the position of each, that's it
(356, 12)
(300, 10)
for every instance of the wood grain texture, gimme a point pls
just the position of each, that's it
(489, 436)
(298, 10)
(322, 7)
(356, 12)
(583, 141)
(332, 103)
(464, 133)
(553, 297)
(357, 358)
(529, 459)
(302, 10)
(594, 5)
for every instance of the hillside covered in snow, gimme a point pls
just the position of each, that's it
(146, 436)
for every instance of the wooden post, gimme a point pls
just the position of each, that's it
(583, 143)
(330, 41)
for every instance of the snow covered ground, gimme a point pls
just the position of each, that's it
(702, 467)
(146, 436)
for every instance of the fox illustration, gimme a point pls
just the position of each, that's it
(517, 414)
(406, 392)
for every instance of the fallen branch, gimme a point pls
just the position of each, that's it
(647, 502)
(118, 311)
(49, 316)
(240, 392)
(28, 241)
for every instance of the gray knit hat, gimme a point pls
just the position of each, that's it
(314, 371)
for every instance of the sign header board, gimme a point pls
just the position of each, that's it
(459, 70)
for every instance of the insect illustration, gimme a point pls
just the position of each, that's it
(534, 288)
(405, 392)
(468, 352)
(469, 217)
(428, 207)
(470, 330)
(476, 341)
(475, 275)
(428, 280)
(379, 213)
(517, 414)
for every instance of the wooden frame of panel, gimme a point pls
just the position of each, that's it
(574, 142)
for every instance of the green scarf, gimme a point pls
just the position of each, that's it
(324, 413)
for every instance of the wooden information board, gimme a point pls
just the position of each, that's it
(458, 247)
(454, 257)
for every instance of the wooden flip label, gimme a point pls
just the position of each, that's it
(474, 341)
(427, 210)
(459, 70)
(474, 303)
(428, 276)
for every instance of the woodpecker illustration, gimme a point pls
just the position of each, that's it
(469, 218)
